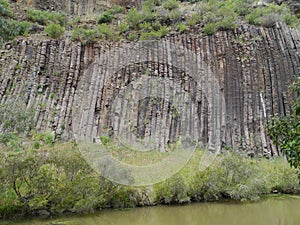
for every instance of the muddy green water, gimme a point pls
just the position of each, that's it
(274, 211)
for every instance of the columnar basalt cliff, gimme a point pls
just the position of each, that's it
(254, 66)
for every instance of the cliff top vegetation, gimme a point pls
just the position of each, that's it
(154, 19)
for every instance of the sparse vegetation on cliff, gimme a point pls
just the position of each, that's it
(208, 15)
(54, 30)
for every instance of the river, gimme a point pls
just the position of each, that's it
(272, 211)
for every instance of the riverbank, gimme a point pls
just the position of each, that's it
(54, 179)
(273, 211)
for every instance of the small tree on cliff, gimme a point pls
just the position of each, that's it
(285, 131)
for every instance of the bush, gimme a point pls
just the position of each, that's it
(11, 28)
(56, 178)
(193, 20)
(171, 4)
(53, 179)
(132, 36)
(108, 32)
(163, 31)
(117, 9)
(134, 18)
(173, 190)
(54, 30)
(209, 28)
(239, 178)
(285, 130)
(123, 27)
(85, 36)
(175, 16)
(4, 8)
(260, 15)
(15, 117)
(45, 18)
(182, 27)
(105, 17)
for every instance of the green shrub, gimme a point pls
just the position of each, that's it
(182, 27)
(274, 13)
(54, 30)
(150, 4)
(105, 17)
(85, 36)
(45, 17)
(57, 179)
(193, 20)
(134, 18)
(108, 32)
(123, 27)
(132, 36)
(209, 28)
(239, 178)
(175, 16)
(171, 5)
(163, 31)
(15, 117)
(117, 9)
(173, 190)
(145, 26)
(227, 18)
(285, 130)
(11, 28)
(5, 8)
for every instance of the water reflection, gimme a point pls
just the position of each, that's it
(268, 212)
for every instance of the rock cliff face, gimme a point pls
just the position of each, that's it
(254, 67)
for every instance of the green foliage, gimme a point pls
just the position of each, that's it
(268, 16)
(285, 131)
(240, 178)
(45, 17)
(85, 36)
(193, 20)
(171, 5)
(54, 30)
(209, 28)
(173, 190)
(108, 32)
(134, 18)
(4, 8)
(149, 5)
(161, 32)
(105, 140)
(175, 16)
(132, 36)
(145, 26)
(15, 117)
(117, 9)
(123, 27)
(219, 15)
(56, 178)
(105, 17)
(11, 28)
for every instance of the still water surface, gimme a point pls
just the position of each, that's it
(275, 211)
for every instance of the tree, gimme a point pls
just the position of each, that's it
(285, 131)
(15, 118)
